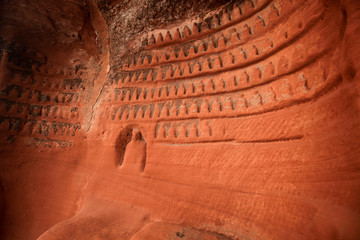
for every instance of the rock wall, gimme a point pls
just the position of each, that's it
(180, 120)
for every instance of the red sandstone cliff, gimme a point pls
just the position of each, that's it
(179, 119)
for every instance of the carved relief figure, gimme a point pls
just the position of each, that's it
(135, 154)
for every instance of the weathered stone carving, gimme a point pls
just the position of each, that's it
(180, 119)
(135, 154)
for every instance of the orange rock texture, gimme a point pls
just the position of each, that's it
(164, 120)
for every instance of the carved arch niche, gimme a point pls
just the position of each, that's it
(131, 150)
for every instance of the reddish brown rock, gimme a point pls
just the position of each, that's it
(179, 119)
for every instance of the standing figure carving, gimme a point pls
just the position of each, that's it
(135, 154)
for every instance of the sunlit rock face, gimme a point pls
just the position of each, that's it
(179, 119)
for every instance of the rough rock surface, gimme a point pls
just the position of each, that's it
(179, 119)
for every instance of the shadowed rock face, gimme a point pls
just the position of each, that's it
(128, 20)
(179, 119)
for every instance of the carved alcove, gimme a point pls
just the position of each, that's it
(125, 137)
